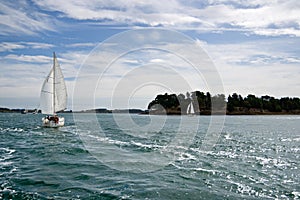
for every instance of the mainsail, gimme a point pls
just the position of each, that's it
(54, 93)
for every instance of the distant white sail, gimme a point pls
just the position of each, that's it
(54, 93)
(190, 109)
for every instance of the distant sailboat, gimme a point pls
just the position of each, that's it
(190, 109)
(53, 96)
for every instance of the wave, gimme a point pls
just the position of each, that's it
(7, 168)
(5, 130)
(5, 155)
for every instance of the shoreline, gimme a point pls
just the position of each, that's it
(147, 112)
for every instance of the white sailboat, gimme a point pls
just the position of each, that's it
(53, 96)
(190, 109)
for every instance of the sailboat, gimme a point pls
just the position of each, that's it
(53, 96)
(190, 109)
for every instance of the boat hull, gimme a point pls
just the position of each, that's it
(53, 124)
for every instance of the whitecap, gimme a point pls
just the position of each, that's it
(70, 129)
(148, 146)
(3, 130)
(226, 154)
(288, 181)
(227, 137)
(244, 189)
(108, 140)
(285, 139)
(5, 163)
(8, 150)
(296, 194)
(296, 150)
(272, 161)
(5, 155)
(186, 156)
(297, 139)
(207, 170)
(263, 161)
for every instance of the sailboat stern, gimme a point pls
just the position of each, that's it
(53, 121)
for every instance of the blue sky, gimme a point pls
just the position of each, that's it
(253, 44)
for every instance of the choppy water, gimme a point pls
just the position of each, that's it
(255, 157)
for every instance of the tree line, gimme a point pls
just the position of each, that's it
(263, 103)
(205, 103)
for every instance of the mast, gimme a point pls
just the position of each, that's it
(54, 57)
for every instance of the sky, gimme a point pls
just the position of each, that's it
(120, 54)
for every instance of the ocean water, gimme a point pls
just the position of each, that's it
(157, 157)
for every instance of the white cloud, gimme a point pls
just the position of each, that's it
(11, 46)
(137, 63)
(271, 18)
(37, 45)
(22, 76)
(85, 44)
(276, 80)
(258, 67)
(28, 58)
(21, 80)
(19, 18)
(256, 53)
(257, 17)
(283, 16)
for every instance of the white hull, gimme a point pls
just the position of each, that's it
(53, 124)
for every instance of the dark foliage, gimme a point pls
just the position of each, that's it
(236, 104)
(177, 104)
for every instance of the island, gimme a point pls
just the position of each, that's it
(235, 104)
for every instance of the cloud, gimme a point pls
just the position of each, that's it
(21, 79)
(85, 44)
(276, 80)
(267, 19)
(36, 67)
(38, 45)
(11, 46)
(259, 67)
(18, 18)
(271, 18)
(257, 53)
(28, 58)
(256, 17)
(22, 76)
(142, 60)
